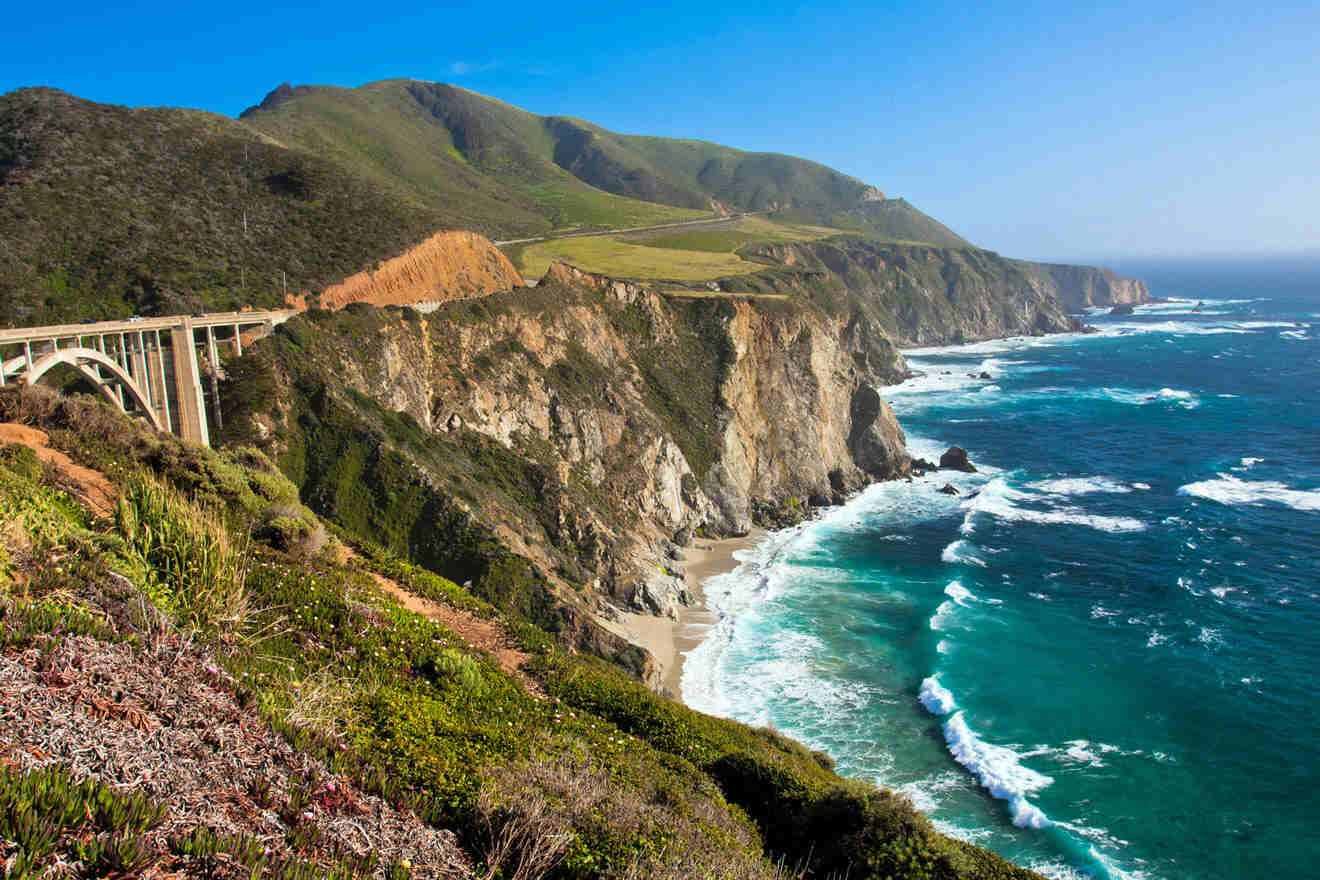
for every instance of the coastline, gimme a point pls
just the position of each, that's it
(668, 640)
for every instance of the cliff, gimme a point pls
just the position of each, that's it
(585, 425)
(918, 294)
(446, 266)
(1079, 287)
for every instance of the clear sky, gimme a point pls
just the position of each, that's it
(1041, 130)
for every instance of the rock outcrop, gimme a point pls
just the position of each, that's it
(1080, 287)
(955, 459)
(928, 295)
(447, 266)
(629, 420)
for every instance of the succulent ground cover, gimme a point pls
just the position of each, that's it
(247, 706)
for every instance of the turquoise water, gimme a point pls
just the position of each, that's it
(1103, 663)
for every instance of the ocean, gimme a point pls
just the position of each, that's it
(1100, 658)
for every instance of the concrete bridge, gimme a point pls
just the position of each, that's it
(148, 367)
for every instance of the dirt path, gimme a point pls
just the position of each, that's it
(91, 487)
(488, 635)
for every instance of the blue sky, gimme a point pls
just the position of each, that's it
(1036, 129)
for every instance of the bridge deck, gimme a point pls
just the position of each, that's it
(211, 319)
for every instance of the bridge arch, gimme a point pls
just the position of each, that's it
(82, 360)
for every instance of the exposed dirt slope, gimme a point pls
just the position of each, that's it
(91, 487)
(447, 266)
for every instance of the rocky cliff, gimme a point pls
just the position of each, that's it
(1081, 286)
(447, 266)
(586, 424)
(918, 294)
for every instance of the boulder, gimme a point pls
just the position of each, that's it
(985, 375)
(683, 537)
(948, 489)
(677, 555)
(876, 441)
(1122, 309)
(921, 466)
(955, 458)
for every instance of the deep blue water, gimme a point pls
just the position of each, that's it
(1104, 663)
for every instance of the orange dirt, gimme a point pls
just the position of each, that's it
(488, 635)
(447, 266)
(91, 487)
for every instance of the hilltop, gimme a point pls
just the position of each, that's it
(107, 210)
(419, 135)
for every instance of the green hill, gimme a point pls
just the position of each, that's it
(106, 210)
(421, 136)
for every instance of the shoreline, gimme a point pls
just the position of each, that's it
(669, 641)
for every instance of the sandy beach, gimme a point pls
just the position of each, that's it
(669, 641)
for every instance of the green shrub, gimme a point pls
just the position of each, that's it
(194, 572)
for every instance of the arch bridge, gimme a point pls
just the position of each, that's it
(148, 367)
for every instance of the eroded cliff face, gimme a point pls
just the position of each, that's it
(449, 265)
(1082, 286)
(641, 418)
(924, 295)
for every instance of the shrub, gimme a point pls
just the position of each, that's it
(194, 572)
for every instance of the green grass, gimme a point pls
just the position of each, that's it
(728, 237)
(620, 259)
(566, 206)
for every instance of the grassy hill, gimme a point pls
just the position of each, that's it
(106, 211)
(420, 135)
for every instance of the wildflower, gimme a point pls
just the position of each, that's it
(307, 815)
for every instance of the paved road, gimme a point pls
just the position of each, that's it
(630, 229)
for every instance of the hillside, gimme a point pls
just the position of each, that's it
(417, 135)
(205, 685)
(107, 211)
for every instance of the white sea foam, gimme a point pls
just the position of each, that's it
(999, 770)
(1135, 397)
(1084, 486)
(960, 551)
(1058, 870)
(958, 593)
(936, 697)
(1231, 490)
(941, 616)
(1001, 501)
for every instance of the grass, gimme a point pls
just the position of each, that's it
(728, 237)
(565, 206)
(697, 254)
(621, 259)
(194, 571)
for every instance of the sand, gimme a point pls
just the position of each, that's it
(669, 641)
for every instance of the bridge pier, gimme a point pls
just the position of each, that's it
(154, 374)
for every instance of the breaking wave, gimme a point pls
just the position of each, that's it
(1231, 490)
